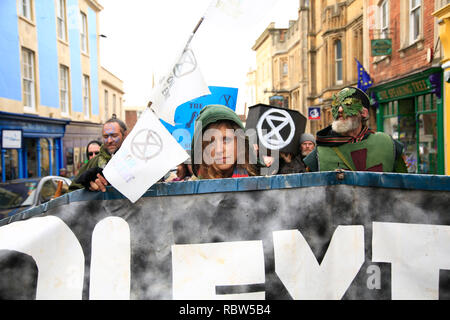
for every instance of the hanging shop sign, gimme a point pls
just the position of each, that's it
(381, 47)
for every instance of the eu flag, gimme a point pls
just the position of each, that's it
(364, 80)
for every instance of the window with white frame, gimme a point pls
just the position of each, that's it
(384, 19)
(25, 9)
(285, 68)
(338, 61)
(29, 93)
(442, 3)
(64, 89)
(61, 19)
(86, 96)
(415, 7)
(84, 33)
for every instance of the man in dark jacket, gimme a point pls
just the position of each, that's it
(290, 163)
(349, 144)
(90, 175)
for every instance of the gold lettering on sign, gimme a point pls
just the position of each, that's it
(404, 90)
(420, 85)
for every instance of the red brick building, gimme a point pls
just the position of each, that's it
(409, 52)
(404, 63)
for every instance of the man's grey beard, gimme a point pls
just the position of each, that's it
(344, 126)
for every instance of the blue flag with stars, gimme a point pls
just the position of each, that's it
(364, 80)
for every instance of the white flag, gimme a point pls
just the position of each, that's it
(238, 14)
(232, 8)
(183, 82)
(223, 43)
(147, 154)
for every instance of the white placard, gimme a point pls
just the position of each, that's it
(11, 139)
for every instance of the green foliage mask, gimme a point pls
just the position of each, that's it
(352, 106)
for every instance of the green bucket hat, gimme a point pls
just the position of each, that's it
(210, 114)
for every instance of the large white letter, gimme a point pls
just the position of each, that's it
(110, 260)
(198, 268)
(56, 251)
(416, 252)
(301, 274)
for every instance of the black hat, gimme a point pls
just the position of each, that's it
(361, 95)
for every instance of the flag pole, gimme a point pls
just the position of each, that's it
(198, 25)
(193, 33)
(186, 47)
(184, 50)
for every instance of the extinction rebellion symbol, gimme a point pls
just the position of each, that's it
(277, 120)
(186, 64)
(146, 144)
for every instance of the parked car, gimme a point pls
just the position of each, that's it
(21, 194)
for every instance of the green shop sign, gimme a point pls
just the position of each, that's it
(381, 47)
(406, 89)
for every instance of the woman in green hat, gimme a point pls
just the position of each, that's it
(220, 148)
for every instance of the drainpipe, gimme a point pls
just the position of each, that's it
(50, 162)
(57, 155)
(38, 157)
(20, 155)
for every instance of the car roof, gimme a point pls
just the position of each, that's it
(35, 179)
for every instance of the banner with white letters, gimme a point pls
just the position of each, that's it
(300, 236)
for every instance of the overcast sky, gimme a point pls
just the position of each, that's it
(143, 37)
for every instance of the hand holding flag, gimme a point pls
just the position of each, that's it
(147, 154)
(150, 151)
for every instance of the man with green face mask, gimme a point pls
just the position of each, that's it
(349, 144)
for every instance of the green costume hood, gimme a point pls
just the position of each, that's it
(351, 99)
(210, 114)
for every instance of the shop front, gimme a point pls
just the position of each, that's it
(31, 146)
(411, 110)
